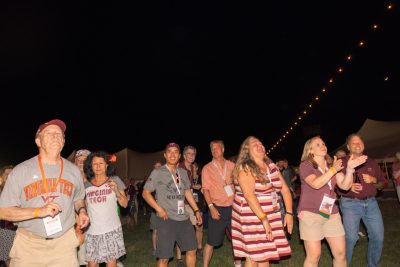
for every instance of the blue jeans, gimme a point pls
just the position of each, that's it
(353, 210)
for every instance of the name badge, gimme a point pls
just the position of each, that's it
(228, 190)
(181, 207)
(52, 225)
(326, 207)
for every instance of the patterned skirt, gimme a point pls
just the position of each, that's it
(105, 247)
(6, 241)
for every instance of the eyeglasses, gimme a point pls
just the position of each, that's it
(55, 134)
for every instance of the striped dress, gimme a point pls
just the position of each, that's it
(248, 233)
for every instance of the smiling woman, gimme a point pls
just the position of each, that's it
(104, 237)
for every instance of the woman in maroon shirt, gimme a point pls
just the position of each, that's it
(318, 212)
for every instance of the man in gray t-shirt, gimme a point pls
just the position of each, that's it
(42, 194)
(172, 187)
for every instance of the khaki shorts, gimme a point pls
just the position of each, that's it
(32, 251)
(192, 216)
(314, 227)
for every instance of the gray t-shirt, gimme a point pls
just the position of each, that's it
(24, 188)
(167, 193)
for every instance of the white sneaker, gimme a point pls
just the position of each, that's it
(361, 234)
(119, 264)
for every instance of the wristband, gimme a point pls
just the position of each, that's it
(332, 170)
(211, 204)
(196, 210)
(290, 213)
(79, 210)
(262, 216)
(36, 213)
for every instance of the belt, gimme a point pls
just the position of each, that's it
(359, 198)
(32, 235)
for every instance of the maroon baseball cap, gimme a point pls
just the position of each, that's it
(57, 122)
(173, 145)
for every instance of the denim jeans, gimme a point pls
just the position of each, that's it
(353, 210)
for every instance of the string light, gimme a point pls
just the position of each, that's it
(324, 90)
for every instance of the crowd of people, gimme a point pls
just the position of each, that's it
(59, 213)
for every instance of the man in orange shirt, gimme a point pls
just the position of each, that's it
(218, 192)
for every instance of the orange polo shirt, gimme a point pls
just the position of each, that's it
(214, 178)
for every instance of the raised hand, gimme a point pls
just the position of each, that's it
(337, 164)
(355, 162)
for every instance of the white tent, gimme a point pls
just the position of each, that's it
(136, 165)
(381, 138)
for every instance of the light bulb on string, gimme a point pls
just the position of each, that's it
(340, 69)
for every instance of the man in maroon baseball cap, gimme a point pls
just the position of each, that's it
(37, 190)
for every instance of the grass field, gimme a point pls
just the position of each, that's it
(138, 245)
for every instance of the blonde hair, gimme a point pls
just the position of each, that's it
(246, 163)
(308, 156)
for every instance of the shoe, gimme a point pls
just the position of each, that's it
(153, 252)
(119, 264)
(199, 252)
(361, 234)
(179, 263)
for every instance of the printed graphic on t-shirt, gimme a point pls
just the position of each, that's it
(172, 191)
(97, 195)
(35, 189)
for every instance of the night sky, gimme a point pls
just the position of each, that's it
(141, 75)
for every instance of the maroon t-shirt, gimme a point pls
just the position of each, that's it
(368, 190)
(310, 198)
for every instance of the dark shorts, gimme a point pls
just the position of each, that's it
(216, 228)
(169, 232)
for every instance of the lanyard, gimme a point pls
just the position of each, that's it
(222, 174)
(173, 178)
(329, 183)
(44, 179)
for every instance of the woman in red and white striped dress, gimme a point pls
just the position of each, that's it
(257, 229)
